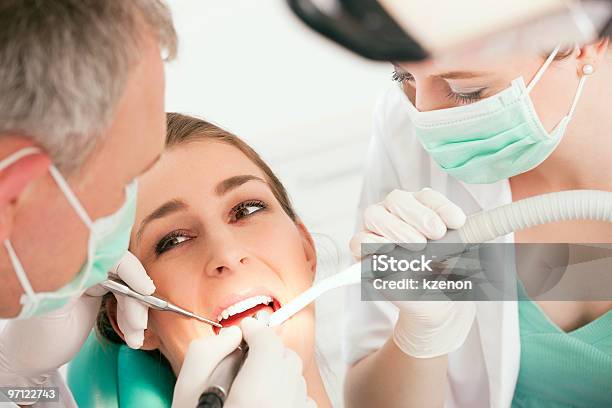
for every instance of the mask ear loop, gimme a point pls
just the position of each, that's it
(70, 196)
(587, 70)
(9, 161)
(543, 68)
(17, 266)
(19, 271)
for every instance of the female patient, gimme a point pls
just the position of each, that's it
(216, 232)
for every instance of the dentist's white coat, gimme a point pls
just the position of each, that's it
(483, 372)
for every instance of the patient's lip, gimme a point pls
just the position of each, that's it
(237, 297)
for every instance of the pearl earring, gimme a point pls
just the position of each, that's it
(587, 69)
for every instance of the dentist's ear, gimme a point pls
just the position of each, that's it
(16, 176)
(310, 250)
(151, 339)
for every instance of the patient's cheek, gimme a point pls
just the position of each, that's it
(175, 333)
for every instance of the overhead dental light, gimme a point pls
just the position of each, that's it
(400, 30)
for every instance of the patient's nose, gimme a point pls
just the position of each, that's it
(230, 265)
(228, 255)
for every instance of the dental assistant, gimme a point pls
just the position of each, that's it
(81, 117)
(451, 137)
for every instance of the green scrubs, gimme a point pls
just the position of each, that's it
(559, 369)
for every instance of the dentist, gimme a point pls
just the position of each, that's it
(81, 117)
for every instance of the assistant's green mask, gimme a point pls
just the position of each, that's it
(492, 139)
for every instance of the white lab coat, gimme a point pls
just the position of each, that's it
(483, 372)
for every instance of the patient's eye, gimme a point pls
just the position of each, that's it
(246, 209)
(171, 240)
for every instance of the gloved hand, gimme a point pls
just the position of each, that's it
(270, 377)
(424, 329)
(31, 349)
(133, 316)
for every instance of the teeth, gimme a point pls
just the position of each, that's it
(244, 305)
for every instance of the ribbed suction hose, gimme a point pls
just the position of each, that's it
(529, 212)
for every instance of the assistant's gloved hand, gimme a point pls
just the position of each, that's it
(424, 328)
(31, 349)
(270, 377)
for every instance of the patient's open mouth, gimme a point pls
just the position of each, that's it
(233, 315)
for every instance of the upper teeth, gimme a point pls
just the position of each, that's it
(244, 305)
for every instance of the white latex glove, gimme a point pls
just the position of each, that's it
(270, 377)
(31, 349)
(424, 329)
(133, 316)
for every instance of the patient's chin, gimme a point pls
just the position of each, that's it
(151, 341)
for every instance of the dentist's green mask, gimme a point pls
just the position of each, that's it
(109, 238)
(492, 139)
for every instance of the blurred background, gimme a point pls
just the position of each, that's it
(302, 102)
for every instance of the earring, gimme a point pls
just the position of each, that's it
(588, 69)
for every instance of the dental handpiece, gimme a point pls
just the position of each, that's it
(224, 374)
(223, 377)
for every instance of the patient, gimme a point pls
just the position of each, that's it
(216, 232)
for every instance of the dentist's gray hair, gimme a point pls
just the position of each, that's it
(64, 66)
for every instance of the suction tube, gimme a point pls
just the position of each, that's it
(529, 212)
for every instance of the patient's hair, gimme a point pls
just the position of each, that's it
(183, 129)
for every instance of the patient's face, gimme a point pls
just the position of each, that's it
(210, 233)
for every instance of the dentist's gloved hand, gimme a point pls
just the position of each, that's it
(132, 315)
(270, 377)
(424, 329)
(31, 349)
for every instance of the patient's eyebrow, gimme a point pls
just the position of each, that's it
(231, 183)
(169, 207)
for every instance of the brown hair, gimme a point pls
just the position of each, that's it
(183, 129)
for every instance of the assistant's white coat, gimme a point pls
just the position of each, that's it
(483, 372)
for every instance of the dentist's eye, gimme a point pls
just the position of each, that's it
(400, 76)
(172, 240)
(246, 209)
(466, 97)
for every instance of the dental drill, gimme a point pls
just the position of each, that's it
(223, 377)
(224, 374)
(481, 227)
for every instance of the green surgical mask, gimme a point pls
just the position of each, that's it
(492, 139)
(108, 241)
